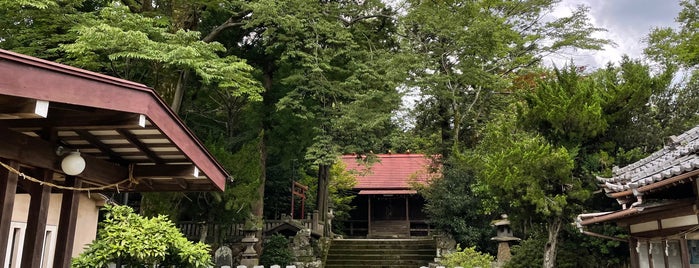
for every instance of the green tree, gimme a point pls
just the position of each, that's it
(462, 56)
(534, 160)
(327, 74)
(144, 49)
(456, 207)
(125, 238)
(677, 46)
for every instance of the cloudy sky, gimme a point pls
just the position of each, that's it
(627, 23)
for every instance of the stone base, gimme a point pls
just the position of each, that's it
(250, 262)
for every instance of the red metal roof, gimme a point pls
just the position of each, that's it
(391, 172)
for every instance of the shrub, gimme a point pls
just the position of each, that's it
(467, 258)
(126, 238)
(276, 251)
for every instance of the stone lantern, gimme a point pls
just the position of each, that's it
(250, 257)
(504, 237)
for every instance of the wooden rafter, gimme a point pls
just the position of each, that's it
(101, 146)
(133, 139)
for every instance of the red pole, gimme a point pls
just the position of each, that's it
(293, 190)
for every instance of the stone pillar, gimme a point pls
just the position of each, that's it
(504, 252)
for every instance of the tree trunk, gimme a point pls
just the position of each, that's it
(551, 247)
(445, 127)
(179, 91)
(258, 205)
(322, 202)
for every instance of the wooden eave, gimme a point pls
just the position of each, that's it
(644, 213)
(114, 123)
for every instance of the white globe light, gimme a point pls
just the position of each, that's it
(73, 164)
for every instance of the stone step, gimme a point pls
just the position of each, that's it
(392, 253)
(382, 246)
(378, 263)
(382, 256)
(383, 241)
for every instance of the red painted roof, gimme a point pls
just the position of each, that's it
(393, 171)
(28, 77)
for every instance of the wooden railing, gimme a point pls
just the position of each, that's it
(360, 228)
(231, 232)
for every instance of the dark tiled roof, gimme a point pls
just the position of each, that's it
(675, 159)
(393, 171)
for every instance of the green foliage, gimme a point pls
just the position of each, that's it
(127, 44)
(566, 108)
(575, 249)
(154, 204)
(125, 238)
(340, 191)
(276, 251)
(37, 28)
(529, 253)
(244, 166)
(677, 47)
(454, 206)
(467, 258)
(38, 4)
(462, 55)
(526, 170)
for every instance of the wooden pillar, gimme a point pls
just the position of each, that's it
(66, 224)
(633, 253)
(684, 252)
(407, 214)
(8, 188)
(36, 222)
(368, 224)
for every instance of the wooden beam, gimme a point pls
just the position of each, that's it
(24, 108)
(164, 171)
(170, 187)
(36, 222)
(133, 139)
(182, 183)
(39, 153)
(8, 188)
(120, 137)
(67, 225)
(86, 121)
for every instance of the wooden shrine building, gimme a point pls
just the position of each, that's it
(659, 204)
(387, 206)
(126, 135)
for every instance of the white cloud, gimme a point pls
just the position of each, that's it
(627, 23)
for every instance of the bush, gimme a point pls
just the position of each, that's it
(467, 258)
(126, 238)
(276, 251)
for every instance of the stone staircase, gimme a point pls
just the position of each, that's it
(390, 229)
(380, 253)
